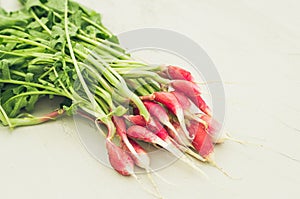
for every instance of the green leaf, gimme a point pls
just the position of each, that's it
(15, 99)
(29, 77)
(57, 5)
(76, 18)
(38, 34)
(4, 69)
(31, 3)
(31, 101)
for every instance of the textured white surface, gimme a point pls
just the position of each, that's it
(254, 44)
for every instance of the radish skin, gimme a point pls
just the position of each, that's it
(160, 113)
(175, 72)
(172, 104)
(141, 153)
(141, 133)
(202, 142)
(119, 159)
(191, 90)
(136, 119)
(182, 99)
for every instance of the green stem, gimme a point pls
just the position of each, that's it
(136, 87)
(94, 73)
(18, 73)
(61, 84)
(153, 84)
(100, 45)
(30, 84)
(40, 22)
(142, 73)
(97, 26)
(81, 79)
(31, 42)
(146, 85)
(102, 104)
(4, 117)
(33, 93)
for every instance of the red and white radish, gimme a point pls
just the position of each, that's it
(175, 72)
(119, 159)
(192, 90)
(172, 104)
(141, 133)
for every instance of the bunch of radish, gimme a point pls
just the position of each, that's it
(62, 49)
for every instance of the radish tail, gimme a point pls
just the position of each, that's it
(144, 187)
(214, 164)
(177, 153)
(187, 150)
(192, 154)
(228, 137)
(154, 184)
(184, 141)
(180, 117)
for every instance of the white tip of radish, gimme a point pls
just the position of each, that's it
(143, 161)
(177, 153)
(182, 139)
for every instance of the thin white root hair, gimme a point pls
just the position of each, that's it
(144, 187)
(228, 137)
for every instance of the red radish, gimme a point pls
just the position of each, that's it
(120, 125)
(141, 153)
(153, 125)
(204, 145)
(176, 72)
(191, 90)
(136, 119)
(141, 133)
(119, 159)
(121, 130)
(156, 127)
(202, 142)
(182, 99)
(170, 101)
(162, 133)
(123, 163)
(213, 128)
(160, 113)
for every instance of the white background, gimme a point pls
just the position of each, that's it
(256, 47)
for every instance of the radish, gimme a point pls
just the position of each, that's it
(202, 142)
(191, 90)
(119, 159)
(123, 163)
(213, 128)
(180, 133)
(182, 99)
(170, 101)
(138, 154)
(175, 72)
(136, 119)
(162, 133)
(141, 153)
(160, 113)
(121, 130)
(141, 133)
(153, 125)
